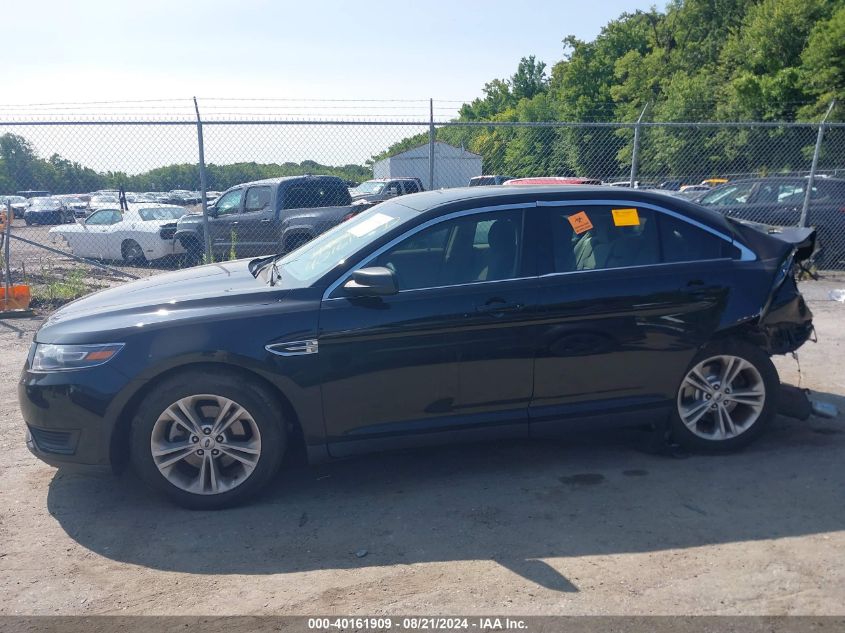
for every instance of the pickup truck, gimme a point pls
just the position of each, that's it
(269, 216)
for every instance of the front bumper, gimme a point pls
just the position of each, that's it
(69, 415)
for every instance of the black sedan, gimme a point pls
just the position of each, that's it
(47, 211)
(443, 316)
(778, 201)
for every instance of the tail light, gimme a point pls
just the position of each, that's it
(348, 216)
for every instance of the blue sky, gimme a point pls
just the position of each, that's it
(102, 50)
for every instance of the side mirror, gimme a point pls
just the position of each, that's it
(376, 281)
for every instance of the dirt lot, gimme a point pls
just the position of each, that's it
(590, 526)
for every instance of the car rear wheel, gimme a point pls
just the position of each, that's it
(208, 440)
(726, 398)
(133, 253)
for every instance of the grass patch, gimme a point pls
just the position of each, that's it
(53, 288)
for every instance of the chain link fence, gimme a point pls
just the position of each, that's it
(97, 202)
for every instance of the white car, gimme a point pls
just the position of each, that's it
(143, 232)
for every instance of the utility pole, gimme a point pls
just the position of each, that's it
(635, 156)
(805, 209)
(205, 228)
(431, 144)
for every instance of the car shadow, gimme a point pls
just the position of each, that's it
(527, 505)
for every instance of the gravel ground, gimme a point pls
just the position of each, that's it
(595, 525)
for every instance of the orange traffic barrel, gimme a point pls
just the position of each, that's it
(18, 297)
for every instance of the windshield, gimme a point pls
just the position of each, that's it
(164, 213)
(369, 187)
(308, 263)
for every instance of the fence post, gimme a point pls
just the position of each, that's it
(805, 209)
(205, 229)
(6, 246)
(431, 144)
(635, 155)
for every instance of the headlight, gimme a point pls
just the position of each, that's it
(65, 357)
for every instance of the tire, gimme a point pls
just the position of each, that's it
(132, 253)
(193, 252)
(709, 416)
(196, 479)
(27, 221)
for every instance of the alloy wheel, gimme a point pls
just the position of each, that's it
(205, 444)
(721, 397)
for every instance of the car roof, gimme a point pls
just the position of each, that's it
(445, 200)
(280, 179)
(781, 179)
(551, 180)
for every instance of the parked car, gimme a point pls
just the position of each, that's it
(34, 193)
(480, 181)
(17, 204)
(103, 201)
(268, 216)
(76, 205)
(144, 232)
(638, 184)
(693, 194)
(504, 312)
(184, 197)
(553, 180)
(778, 201)
(380, 189)
(670, 185)
(46, 211)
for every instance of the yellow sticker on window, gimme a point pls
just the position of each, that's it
(625, 217)
(580, 222)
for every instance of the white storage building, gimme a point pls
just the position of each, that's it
(453, 166)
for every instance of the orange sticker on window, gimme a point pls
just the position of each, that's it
(625, 217)
(580, 222)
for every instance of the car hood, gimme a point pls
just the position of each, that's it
(211, 291)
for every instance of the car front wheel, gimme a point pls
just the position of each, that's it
(132, 253)
(208, 440)
(726, 398)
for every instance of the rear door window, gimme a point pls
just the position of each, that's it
(316, 194)
(600, 237)
(257, 199)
